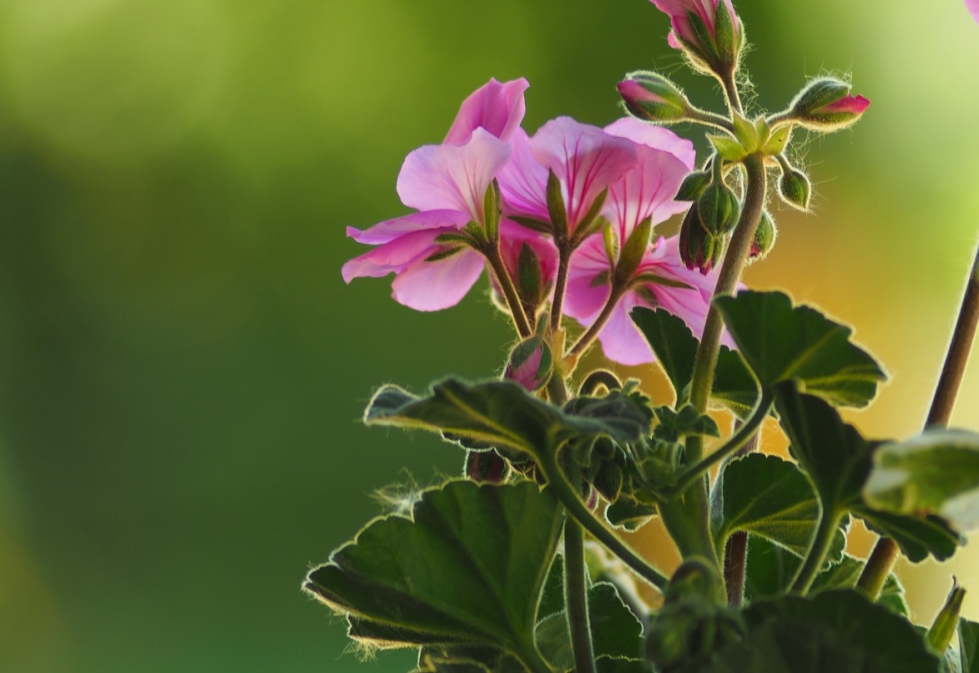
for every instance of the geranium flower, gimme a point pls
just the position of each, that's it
(447, 184)
(645, 192)
(584, 159)
(706, 10)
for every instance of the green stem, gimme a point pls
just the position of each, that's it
(569, 498)
(885, 552)
(736, 550)
(576, 597)
(731, 92)
(709, 119)
(492, 255)
(727, 281)
(743, 435)
(561, 283)
(829, 522)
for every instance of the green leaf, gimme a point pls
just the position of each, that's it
(468, 568)
(629, 514)
(846, 573)
(616, 632)
(836, 631)
(443, 659)
(832, 453)
(969, 646)
(765, 496)
(728, 148)
(769, 568)
(937, 471)
(676, 349)
(780, 342)
(916, 536)
(504, 414)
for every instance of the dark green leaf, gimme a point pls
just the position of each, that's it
(769, 569)
(503, 414)
(937, 471)
(766, 496)
(916, 536)
(676, 349)
(836, 631)
(441, 658)
(846, 573)
(620, 665)
(780, 342)
(833, 454)
(615, 630)
(468, 568)
(969, 646)
(629, 513)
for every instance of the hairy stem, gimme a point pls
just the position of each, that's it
(885, 552)
(727, 281)
(739, 439)
(492, 255)
(736, 550)
(561, 283)
(731, 92)
(958, 353)
(829, 522)
(576, 597)
(566, 493)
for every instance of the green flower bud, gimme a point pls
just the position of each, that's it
(693, 186)
(765, 236)
(699, 249)
(941, 632)
(794, 188)
(719, 208)
(826, 105)
(650, 96)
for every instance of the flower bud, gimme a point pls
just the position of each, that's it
(947, 621)
(652, 97)
(826, 105)
(698, 248)
(708, 31)
(764, 239)
(718, 208)
(530, 364)
(486, 467)
(794, 188)
(693, 186)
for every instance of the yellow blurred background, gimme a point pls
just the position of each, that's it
(182, 369)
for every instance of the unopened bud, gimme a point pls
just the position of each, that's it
(650, 96)
(718, 208)
(693, 186)
(794, 188)
(826, 105)
(698, 248)
(530, 285)
(764, 239)
(633, 251)
(486, 467)
(941, 631)
(530, 364)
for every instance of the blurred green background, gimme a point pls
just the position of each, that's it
(182, 369)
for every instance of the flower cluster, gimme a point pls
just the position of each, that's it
(563, 218)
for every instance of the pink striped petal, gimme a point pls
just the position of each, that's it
(587, 290)
(453, 177)
(523, 181)
(433, 286)
(393, 256)
(387, 231)
(498, 108)
(656, 137)
(585, 159)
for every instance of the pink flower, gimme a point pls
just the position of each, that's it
(584, 159)
(645, 192)
(973, 7)
(498, 108)
(679, 12)
(446, 184)
(620, 339)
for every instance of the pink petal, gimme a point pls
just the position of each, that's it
(523, 181)
(453, 177)
(498, 108)
(585, 159)
(648, 190)
(973, 7)
(393, 256)
(621, 340)
(433, 286)
(387, 231)
(853, 104)
(657, 137)
(586, 295)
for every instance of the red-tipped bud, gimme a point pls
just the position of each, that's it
(530, 364)
(765, 236)
(709, 31)
(486, 467)
(827, 105)
(654, 98)
(699, 249)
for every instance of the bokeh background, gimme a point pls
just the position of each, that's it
(182, 369)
